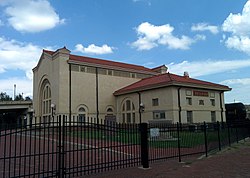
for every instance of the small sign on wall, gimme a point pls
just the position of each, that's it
(154, 132)
(200, 93)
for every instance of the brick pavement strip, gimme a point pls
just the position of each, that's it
(232, 162)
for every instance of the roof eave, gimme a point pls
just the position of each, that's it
(172, 83)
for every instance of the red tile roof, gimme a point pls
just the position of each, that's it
(83, 59)
(168, 79)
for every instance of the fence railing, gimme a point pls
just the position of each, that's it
(66, 147)
(178, 140)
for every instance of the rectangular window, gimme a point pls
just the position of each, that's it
(212, 94)
(109, 72)
(132, 75)
(212, 102)
(155, 102)
(189, 101)
(189, 117)
(102, 71)
(213, 116)
(201, 102)
(82, 69)
(159, 115)
(74, 68)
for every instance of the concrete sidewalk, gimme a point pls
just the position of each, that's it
(232, 162)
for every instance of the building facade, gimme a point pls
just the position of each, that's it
(87, 87)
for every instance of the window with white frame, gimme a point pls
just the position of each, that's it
(212, 102)
(46, 102)
(128, 111)
(213, 116)
(82, 114)
(201, 102)
(155, 102)
(189, 117)
(189, 101)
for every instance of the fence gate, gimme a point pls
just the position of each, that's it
(30, 151)
(63, 147)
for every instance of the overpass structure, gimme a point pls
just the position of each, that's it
(16, 112)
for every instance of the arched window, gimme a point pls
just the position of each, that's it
(110, 111)
(46, 102)
(128, 111)
(82, 114)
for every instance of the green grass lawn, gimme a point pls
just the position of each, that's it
(187, 139)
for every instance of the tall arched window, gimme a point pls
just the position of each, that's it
(46, 102)
(128, 111)
(82, 114)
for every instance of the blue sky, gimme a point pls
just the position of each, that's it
(210, 38)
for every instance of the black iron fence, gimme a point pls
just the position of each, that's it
(66, 147)
(177, 140)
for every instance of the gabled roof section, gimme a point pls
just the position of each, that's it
(105, 63)
(169, 79)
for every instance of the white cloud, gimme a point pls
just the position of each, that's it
(240, 88)
(150, 36)
(205, 27)
(201, 68)
(93, 49)
(16, 55)
(241, 43)
(31, 15)
(238, 25)
(242, 81)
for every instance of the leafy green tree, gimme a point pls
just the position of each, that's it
(19, 97)
(27, 98)
(5, 97)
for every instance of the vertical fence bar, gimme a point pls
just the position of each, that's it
(237, 138)
(179, 143)
(219, 141)
(228, 130)
(60, 172)
(144, 145)
(205, 137)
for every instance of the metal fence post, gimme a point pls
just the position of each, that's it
(219, 141)
(228, 131)
(179, 144)
(59, 119)
(237, 137)
(205, 136)
(61, 146)
(144, 145)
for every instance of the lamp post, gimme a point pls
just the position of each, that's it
(141, 109)
(53, 108)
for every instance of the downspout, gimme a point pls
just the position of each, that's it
(179, 104)
(97, 95)
(221, 106)
(69, 91)
(139, 107)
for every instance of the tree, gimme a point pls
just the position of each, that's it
(27, 98)
(5, 97)
(19, 97)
